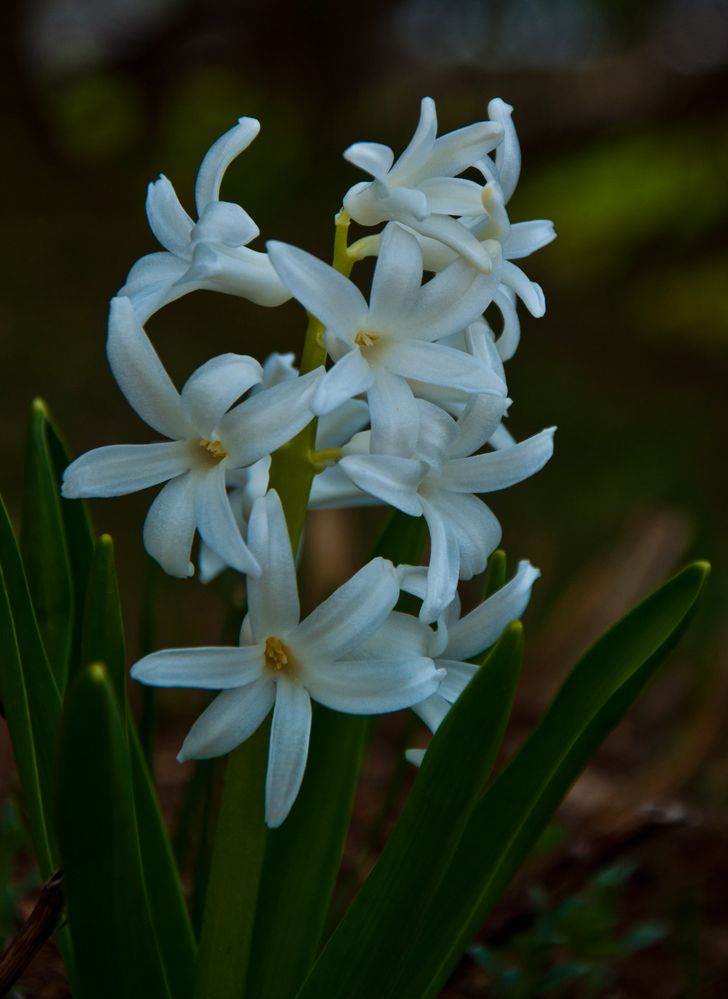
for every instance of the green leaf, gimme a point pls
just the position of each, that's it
(106, 894)
(358, 959)
(29, 695)
(103, 631)
(44, 549)
(495, 576)
(509, 818)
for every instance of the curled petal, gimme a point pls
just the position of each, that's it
(528, 291)
(484, 473)
(234, 271)
(372, 157)
(444, 568)
(525, 238)
(419, 147)
(219, 157)
(508, 153)
(225, 222)
(168, 220)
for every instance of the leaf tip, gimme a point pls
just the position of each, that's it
(97, 673)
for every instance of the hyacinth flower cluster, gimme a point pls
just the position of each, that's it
(404, 394)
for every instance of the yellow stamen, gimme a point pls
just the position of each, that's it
(277, 656)
(365, 338)
(215, 448)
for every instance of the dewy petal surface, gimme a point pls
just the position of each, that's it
(140, 374)
(273, 606)
(124, 468)
(289, 737)
(231, 719)
(170, 525)
(211, 668)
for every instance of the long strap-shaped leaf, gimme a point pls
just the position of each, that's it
(511, 815)
(103, 640)
(358, 960)
(29, 695)
(106, 894)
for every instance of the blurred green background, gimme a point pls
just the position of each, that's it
(621, 111)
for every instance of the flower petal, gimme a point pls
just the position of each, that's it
(168, 220)
(219, 157)
(457, 676)
(140, 374)
(334, 490)
(459, 238)
(264, 421)
(456, 151)
(231, 719)
(393, 413)
(444, 567)
(273, 607)
(473, 527)
(335, 429)
(528, 291)
(328, 295)
(419, 146)
(392, 479)
(372, 686)
(485, 473)
(288, 750)
(453, 196)
(525, 238)
(437, 432)
(216, 523)
(213, 668)
(169, 527)
(507, 343)
(450, 301)
(348, 377)
(483, 626)
(432, 711)
(210, 391)
(436, 364)
(372, 157)
(227, 223)
(508, 153)
(124, 468)
(397, 278)
(350, 615)
(235, 271)
(401, 636)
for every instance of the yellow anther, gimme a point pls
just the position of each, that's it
(277, 656)
(365, 338)
(215, 448)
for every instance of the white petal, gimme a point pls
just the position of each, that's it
(405, 203)
(124, 468)
(350, 615)
(457, 676)
(436, 364)
(502, 438)
(392, 479)
(473, 527)
(394, 414)
(372, 157)
(415, 756)
(432, 711)
(213, 668)
(437, 432)
(238, 271)
(508, 153)
(450, 301)
(333, 490)
(227, 223)
(216, 523)
(528, 291)
(479, 421)
(273, 607)
(153, 271)
(400, 637)
(210, 391)
(209, 564)
(420, 145)
(288, 750)
(525, 238)
(453, 196)
(169, 527)
(458, 237)
(508, 341)
(444, 567)
(328, 295)
(168, 220)
(141, 375)
(456, 151)
(218, 157)
(231, 719)
(267, 419)
(336, 428)
(348, 377)
(372, 686)
(483, 626)
(484, 473)
(397, 278)
(278, 368)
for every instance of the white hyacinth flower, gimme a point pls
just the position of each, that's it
(378, 346)
(207, 440)
(284, 663)
(210, 253)
(439, 483)
(421, 189)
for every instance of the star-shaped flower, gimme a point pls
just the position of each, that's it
(210, 253)
(284, 663)
(207, 441)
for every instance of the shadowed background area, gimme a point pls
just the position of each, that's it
(621, 113)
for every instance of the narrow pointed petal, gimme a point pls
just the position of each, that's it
(444, 567)
(456, 151)
(507, 342)
(231, 719)
(140, 374)
(453, 196)
(288, 750)
(168, 220)
(372, 157)
(216, 523)
(371, 686)
(484, 473)
(457, 676)
(451, 300)
(394, 414)
(351, 614)
(397, 278)
(213, 668)
(350, 376)
(458, 237)
(528, 291)
(326, 294)
(170, 525)
(483, 626)
(268, 419)
(211, 390)
(436, 364)
(525, 238)
(225, 222)
(508, 153)
(392, 479)
(273, 607)
(420, 145)
(124, 468)
(219, 157)
(479, 421)
(432, 711)
(474, 529)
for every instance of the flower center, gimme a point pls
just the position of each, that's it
(214, 448)
(278, 657)
(366, 339)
